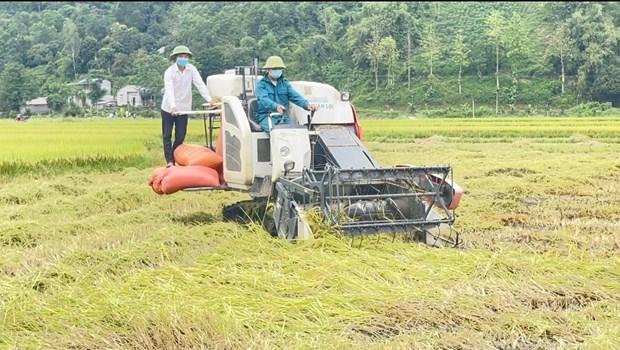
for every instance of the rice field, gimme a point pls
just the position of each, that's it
(92, 258)
(53, 145)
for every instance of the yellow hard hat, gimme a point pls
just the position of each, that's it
(179, 50)
(274, 62)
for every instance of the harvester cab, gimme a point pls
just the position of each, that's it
(319, 162)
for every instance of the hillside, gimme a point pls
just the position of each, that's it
(406, 55)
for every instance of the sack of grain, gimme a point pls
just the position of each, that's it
(187, 154)
(180, 177)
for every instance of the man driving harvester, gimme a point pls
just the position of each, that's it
(274, 92)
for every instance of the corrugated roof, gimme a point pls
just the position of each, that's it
(37, 101)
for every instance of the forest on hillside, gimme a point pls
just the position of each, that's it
(505, 56)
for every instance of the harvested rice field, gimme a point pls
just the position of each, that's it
(92, 258)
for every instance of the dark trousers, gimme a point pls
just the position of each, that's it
(179, 123)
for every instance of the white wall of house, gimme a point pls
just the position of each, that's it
(38, 109)
(129, 95)
(36, 106)
(106, 85)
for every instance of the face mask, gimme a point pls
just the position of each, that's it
(276, 74)
(182, 61)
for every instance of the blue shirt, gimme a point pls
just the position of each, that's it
(269, 96)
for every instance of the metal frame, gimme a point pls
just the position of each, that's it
(211, 114)
(335, 190)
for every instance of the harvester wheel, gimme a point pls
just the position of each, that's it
(251, 211)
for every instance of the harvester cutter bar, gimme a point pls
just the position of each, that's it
(362, 202)
(393, 223)
(343, 189)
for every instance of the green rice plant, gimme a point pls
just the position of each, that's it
(407, 130)
(52, 146)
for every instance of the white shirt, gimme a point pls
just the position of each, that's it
(178, 88)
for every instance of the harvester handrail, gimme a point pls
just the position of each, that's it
(213, 111)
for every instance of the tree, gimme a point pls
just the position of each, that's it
(312, 56)
(56, 102)
(558, 43)
(330, 19)
(248, 45)
(389, 54)
(43, 33)
(460, 54)
(268, 46)
(38, 55)
(64, 68)
(495, 31)
(72, 41)
(329, 42)
(596, 40)
(412, 29)
(430, 48)
(122, 65)
(606, 87)
(408, 62)
(149, 73)
(374, 52)
(57, 94)
(123, 39)
(518, 42)
(96, 92)
(104, 59)
(88, 51)
(14, 87)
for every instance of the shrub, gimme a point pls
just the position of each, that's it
(592, 109)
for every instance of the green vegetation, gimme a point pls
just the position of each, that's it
(494, 130)
(52, 146)
(508, 57)
(93, 258)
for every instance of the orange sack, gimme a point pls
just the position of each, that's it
(158, 175)
(187, 154)
(181, 177)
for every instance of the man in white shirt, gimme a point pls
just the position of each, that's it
(178, 80)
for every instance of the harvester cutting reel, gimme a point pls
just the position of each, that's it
(354, 195)
(414, 201)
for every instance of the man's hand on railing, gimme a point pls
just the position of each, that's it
(211, 105)
(313, 108)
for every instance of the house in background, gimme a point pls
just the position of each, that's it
(36, 106)
(106, 101)
(129, 95)
(82, 100)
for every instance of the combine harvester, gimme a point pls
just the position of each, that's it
(320, 162)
